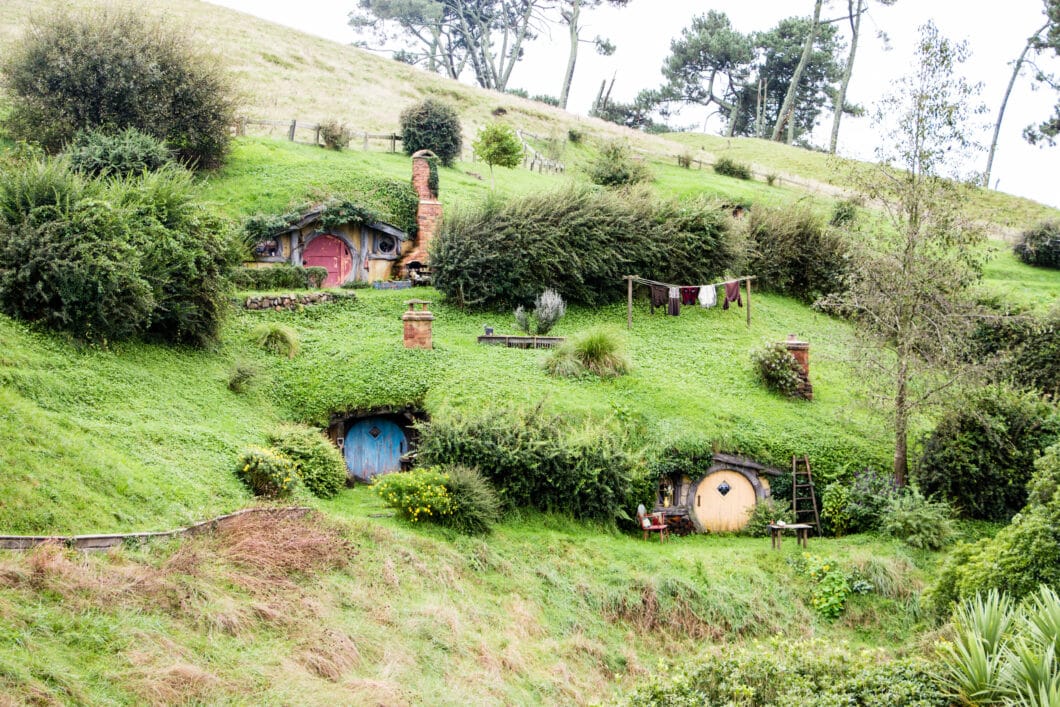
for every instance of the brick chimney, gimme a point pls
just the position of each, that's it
(428, 214)
(801, 351)
(418, 325)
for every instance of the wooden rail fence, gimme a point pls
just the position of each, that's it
(103, 542)
(294, 125)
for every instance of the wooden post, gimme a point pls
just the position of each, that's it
(316, 140)
(629, 302)
(242, 126)
(748, 282)
(366, 141)
(290, 133)
(393, 143)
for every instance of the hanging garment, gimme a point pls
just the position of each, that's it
(708, 296)
(658, 297)
(689, 295)
(732, 294)
(674, 306)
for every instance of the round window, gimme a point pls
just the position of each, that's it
(386, 244)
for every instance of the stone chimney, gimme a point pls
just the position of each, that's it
(801, 351)
(418, 325)
(428, 215)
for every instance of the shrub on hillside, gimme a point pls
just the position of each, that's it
(267, 473)
(111, 259)
(273, 277)
(979, 456)
(778, 369)
(794, 253)
(129, 152)
(536, 461)
(242, 376)
(729, 167)
(1040, 244)
(317, 461)
(597, 352)
(335, 135)
(578, 241)
(549, 308)
(276, 338)
(473, 502)
(918, 521)
(859, 505)
(432, 125)
(615, 166)
(116, 69)
(1028, 346)
(416, 495)
(765, 513)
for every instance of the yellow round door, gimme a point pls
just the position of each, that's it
(724, 501)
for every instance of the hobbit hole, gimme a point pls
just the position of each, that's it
(717, 499)
(375, 443)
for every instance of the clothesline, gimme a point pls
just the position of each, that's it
(630, 279)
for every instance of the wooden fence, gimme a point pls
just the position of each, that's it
(292, 128)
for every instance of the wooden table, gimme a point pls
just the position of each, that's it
(776, 533)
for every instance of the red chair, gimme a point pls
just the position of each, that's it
(653, 523)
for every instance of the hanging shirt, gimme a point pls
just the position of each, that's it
(673, 308)
(708, 296)
(689, 295)
(732, 294)
(658, 297)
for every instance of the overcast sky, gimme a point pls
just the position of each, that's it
(642, 32)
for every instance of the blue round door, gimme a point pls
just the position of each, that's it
(374, 446)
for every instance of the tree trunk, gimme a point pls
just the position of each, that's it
(901, 422)
(841, 101)
(1004, 102)
(789, 100)
(572, 59)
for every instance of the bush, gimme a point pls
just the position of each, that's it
(578, 241)
(778, 369)
(241, 377)
(497, 144)
(793, 253)
(919, 522)
(98, 153)
(731, 168)
(1040, 245)
(111, 259)
(598, 352)
(336, 135)
(116, 69)
(576, 136)
(267, 473)
(859, 506)
(834, 502)
(685, 160)
(549, 308)
(432, 125)
(276, 338)
(1028, 346)
(615, 166)
(844, 213)
(979, 456)
(536, 461)
(473, 503)
(273, 277)
(765, 513)
(317, 461)
(416, 495)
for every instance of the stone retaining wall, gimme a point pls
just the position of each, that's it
(280, 303)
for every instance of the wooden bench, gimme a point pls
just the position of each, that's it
(776, 533)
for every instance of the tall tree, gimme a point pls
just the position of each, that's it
(1048, 129)
(788, 108)
(571, 13)
(908, 290)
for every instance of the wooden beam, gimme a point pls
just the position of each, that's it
(748, 283)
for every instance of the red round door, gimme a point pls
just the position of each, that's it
(331, 253)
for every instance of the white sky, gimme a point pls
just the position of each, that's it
(642, 32)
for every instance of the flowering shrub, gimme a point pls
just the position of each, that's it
(416, 495)
(268, 473)
(832, 584)
(778, 369)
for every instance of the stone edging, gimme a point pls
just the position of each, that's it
(102, 542)
(280, 303)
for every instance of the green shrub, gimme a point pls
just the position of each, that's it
(242, 377)
(794, 253)
(979, 456)
(1040, 244)
(576, 136)
(578, 241)
(317, 461)
(114, 69)
(473, 503)
(684, 160)
(109, 259)
(615, 166)
(919, 522)
(416, 495)
(778, 369)
(129, 152)
(766, 512)
(276, 338)
(281, 276)
(497, 145)
(729, 167)
(336, 135)
(597, 352)
(549, 308)
(1028, 347)
(267, 473)
(834, 502)
(844, 213)
(536, 461)
(432, 125)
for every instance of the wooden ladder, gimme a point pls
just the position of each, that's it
(803, 497)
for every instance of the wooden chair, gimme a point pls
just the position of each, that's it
(652, 523)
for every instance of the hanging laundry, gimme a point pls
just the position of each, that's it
(658, 297)
(732, 294)
(689, 295)
(673, 308)
(708, 296)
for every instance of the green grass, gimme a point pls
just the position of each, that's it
(1014, 282)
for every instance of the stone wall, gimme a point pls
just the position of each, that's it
(280, 303)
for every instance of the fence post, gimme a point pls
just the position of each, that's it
(242, 126)
(393, 143)
(366, 141)
(316, 140)
(290, 133)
